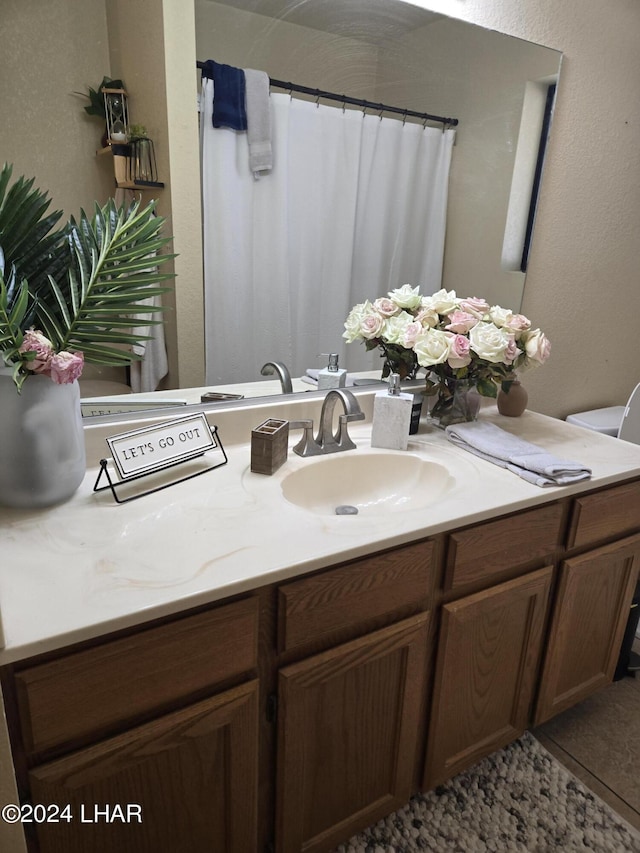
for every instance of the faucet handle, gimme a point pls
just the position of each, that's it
(342, 438)
(307, 446)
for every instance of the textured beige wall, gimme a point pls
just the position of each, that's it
(48, 52)
(582, 284)
(479, 77)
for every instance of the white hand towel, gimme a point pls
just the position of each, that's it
(258, 120)
(529, 461)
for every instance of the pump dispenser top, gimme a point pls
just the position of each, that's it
(332, 376)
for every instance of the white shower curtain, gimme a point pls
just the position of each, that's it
(353, 207)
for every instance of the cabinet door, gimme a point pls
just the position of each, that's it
(589, 619)
(187, 781)
(348, 724)
(488, 655)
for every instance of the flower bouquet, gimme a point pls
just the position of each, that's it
(459, 341)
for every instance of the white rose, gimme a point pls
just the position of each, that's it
(500, 316)
(489, 342)
(426, 316)
(432, 347)
(406, 296)
(536, 346)
(395, 327)
(371, 323)
(444, 301)
(352, 323)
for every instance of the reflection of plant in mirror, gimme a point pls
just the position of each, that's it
(137, 131)
(96, 97)
(68, 296)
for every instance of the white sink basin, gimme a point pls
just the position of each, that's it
(372, 483)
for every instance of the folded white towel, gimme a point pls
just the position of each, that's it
(529, 461)
(258, 120)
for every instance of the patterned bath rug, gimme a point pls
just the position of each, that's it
(518, 800)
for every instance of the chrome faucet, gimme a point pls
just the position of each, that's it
(327, 440)
(282, 370)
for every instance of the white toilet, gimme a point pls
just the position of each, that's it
(619, 421)
(606, 421)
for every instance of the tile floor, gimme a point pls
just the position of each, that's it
(599, 742)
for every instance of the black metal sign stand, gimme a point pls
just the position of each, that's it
(120, 483)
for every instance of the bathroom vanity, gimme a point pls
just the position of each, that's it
(241, 672)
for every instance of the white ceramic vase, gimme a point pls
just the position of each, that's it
(42, 452)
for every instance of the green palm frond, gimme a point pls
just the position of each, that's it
(114, 269)
(28, 239)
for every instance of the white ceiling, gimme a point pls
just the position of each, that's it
(369, 20)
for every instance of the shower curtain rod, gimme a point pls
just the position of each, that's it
(357, 102)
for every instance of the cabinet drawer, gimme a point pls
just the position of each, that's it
(482, 553)
(96, 689)
(397, 582)
(612, 512)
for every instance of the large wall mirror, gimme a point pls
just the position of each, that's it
(381, 50)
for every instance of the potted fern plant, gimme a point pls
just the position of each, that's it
(67, 296)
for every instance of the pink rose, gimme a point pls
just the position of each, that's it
(461, 322)
(411, 332)
(518, 323)
(386, 307)
(476, 306)
(511, 352)
(34, 341)
(371, 325)
(66, 367)
(459, 354)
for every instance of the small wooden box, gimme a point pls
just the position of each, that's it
(269, 446)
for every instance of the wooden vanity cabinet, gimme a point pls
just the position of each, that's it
(497, 584)
(186, 781)
(351, 716)
(151, 722)
(589, 620)
(348, 735)
(488, 654)
(290, 719)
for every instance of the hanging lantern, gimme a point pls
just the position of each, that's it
(117, 114)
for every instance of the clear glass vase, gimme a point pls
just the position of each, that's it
(42, 452)
(457, 401)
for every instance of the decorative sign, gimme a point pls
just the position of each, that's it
(142, 451)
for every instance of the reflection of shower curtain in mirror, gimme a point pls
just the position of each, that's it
(353, 207)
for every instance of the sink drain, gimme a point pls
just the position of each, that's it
(346, 509)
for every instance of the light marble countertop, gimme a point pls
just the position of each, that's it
(91, 566)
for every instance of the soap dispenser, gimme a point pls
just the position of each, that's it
(391, 416)
(331, 376)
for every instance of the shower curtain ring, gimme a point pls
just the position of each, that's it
(404, 118)
(317, 98)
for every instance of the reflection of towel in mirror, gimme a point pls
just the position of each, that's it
(258, 121)
(228, 95)
(529, 461)
(145, 375)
